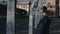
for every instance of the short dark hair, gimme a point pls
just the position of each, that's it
(44, 8)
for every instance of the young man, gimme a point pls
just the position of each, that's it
(45, 21)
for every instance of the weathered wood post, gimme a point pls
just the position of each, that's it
(31, 17)
(30, 21)
(10, 25)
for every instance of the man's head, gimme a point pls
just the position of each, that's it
(44, 9)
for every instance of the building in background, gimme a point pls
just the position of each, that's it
(23, 6)
(52, 5)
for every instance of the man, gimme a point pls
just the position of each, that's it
(45, 21)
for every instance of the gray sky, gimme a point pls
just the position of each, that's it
(23, 1)
(20, 1)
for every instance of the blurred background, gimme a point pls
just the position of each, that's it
(22, 12)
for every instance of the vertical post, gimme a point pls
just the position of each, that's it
(10, 26)
(30, 21)
(36, 21)
(31, 17)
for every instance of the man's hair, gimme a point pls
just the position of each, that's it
(44, 8)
